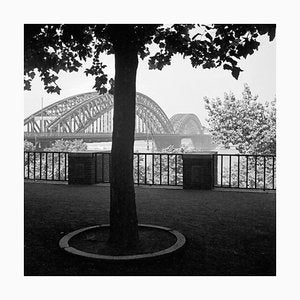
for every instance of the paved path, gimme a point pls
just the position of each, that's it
(228, 233)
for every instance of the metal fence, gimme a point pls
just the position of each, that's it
(245, 171)
(230, 170)
(40, 165)
(158, 169)
(149, 168)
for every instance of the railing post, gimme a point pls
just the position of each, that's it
(81, 168)
(199, 170)
(102, 167)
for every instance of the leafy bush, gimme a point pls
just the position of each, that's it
(245, 123)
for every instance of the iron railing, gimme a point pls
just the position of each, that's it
(230, 170)
(149, 168)
(158, 169)
(245, 171)
(41, 165)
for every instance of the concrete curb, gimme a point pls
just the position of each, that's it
(180, 242)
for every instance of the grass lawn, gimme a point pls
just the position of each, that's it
(228, 233)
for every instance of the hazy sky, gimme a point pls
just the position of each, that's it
(178, 88)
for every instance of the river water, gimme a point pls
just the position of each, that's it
(146, 146)
(139, 146)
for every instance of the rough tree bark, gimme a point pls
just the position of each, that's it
(123, 216)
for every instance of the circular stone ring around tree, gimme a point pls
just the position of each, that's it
(90, 242)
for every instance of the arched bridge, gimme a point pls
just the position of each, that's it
(89, 116)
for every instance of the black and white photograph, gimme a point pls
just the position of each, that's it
(125, 187)
(148, 152)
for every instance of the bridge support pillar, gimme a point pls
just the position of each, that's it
(199, 170)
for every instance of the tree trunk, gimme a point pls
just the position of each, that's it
(123, 216)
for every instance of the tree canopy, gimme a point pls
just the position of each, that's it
(245, 123)
(51, 48)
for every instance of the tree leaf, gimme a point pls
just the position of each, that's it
(227, 67)
(236, 72)
(209, 36)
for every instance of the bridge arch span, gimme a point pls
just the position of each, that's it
(186, 124)
(91, 112)
(55, 110)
